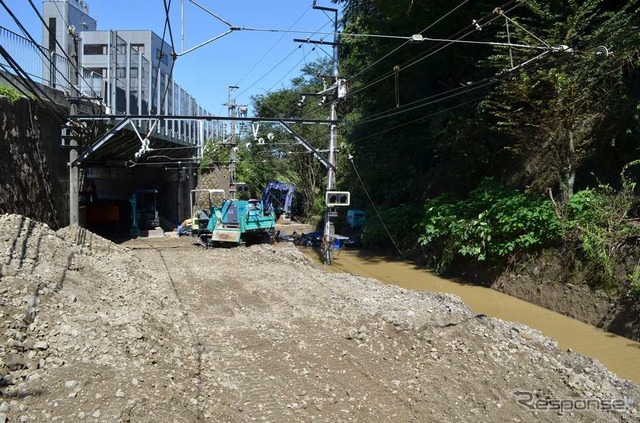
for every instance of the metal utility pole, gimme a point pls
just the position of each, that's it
(233, 157)
(333, 135)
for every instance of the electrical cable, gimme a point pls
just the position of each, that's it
(18, 88)
(31, 85)
(75, 67)
(407, 42)
(433, 114)
(274, 67)
(35, 44)
(457, 91)
(431, 51)
(435, 49)
(272, 47)
(374, 207)
(304, 56)
(424, 117)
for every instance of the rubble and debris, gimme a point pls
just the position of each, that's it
(159, 329)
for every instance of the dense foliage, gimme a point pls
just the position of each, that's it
(491, 225)
(483, 151)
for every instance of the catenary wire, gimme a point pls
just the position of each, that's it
(73, 64)
(271, 49)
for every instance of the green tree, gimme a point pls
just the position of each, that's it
(283, 158)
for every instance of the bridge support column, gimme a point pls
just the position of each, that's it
(74, 185)
(74, 178)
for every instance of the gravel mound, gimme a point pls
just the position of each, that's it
(85, 329)
(163, 330)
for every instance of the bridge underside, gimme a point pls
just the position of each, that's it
(115, 166)
(123, 145)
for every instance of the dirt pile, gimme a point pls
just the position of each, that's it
(163, 330)
(86, 331)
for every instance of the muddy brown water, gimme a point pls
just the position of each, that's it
(618, 354)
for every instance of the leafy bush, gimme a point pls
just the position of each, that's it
(401, 223)
(494, 223)
(10, 92)
(598, 220)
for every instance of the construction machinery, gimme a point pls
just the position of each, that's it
(278, 196)
(238, 222)
(144, 210)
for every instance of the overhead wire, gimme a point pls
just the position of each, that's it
(18, 88)
(479, 24)
(304, 56)
(274, 67)
(442, 96)
(407, 42)
(417, 59)
(430, 52)
(37, 47)
(272, 47)
(384, 225)
(167, 24)
(503, 76)
(53, 107)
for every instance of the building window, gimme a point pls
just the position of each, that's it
(95, 49)
(138, 48)
(134, 72)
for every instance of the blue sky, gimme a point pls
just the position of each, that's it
(236, 59)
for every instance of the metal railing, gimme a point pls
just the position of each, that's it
(133, 94)
(48, 68)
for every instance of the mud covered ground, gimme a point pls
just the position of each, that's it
(161, 330)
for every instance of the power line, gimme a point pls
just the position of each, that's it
(31, 85)
(304, 56)
(430, 52)
(456, 92)
(73, 64)
(272, 47)
(478, 24)
(274, 67)
(374, 206)
(405, 43)
(37, 47)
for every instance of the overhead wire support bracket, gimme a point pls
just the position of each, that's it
(206, 118)
(231, 29)
(326, 163)
(309, 41)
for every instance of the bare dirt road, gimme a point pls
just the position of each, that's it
(161, 330)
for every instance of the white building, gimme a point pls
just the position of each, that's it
(129, 70)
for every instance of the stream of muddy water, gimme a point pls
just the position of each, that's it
(618, 354)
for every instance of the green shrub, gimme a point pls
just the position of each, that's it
(494, 223)
(10, 92)
(401, 223)
(598, 220)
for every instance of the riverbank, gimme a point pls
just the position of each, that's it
(552, 283)
(616, 352)
(549, 282)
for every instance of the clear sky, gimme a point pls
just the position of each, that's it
(236, 59)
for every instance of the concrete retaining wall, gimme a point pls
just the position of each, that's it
(33, 173)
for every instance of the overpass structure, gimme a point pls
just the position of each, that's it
(124, 83)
